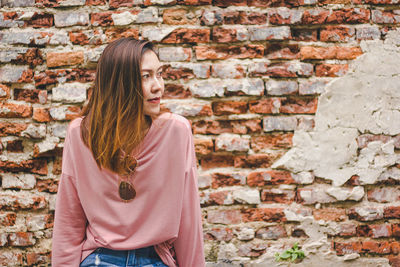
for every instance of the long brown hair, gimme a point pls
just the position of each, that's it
(114, 116)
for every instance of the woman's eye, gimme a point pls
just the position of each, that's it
(145, 76)
(159, 74)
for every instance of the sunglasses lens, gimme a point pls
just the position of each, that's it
(126, 191)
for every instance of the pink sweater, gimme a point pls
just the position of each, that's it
(165, 213)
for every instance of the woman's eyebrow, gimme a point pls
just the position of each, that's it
(151, 69)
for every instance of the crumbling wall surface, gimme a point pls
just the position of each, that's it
(294, 110)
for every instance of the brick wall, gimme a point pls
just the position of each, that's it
(247, 73)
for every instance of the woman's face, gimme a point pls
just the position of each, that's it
(152, 83)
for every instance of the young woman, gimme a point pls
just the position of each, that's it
(128, 189)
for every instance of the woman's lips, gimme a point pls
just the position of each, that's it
(154, 100)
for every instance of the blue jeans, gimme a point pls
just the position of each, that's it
(142, 257)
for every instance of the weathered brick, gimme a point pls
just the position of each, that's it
(9, 201)
(5, 92)
(385, 17)
(41, 115)
(265, 106)
(305, 35)
(278, 3)
(203, 145)
(16, 74)
(226, 3)
(60, 76)
(386, 194)
(175, 54)
(271, 232)
(124, 3)
(95, 2)
(311, 87)
(285, 15)
(251, 250)
(179, 36)
(55, 59)
(263, 214)
(11, 258)
(187, 109)
(295, 105)
(31, 95)
(391, 212)
(178, 16)
(25, 56)
(315, 16)
(224, 179)
(330, 214)
(368, 32)
(253, 87)
(113, 34)
(66, 19)
(256, 160)
(33, 258)
(282, 51)
(39, 222)
(40, 20)
(283, 195)
(224, 216)
(366, 213)
(92, 37)
(101, 19)
(244, 18)
(349, 15)
(10, 128)
(220, 234)
(285, 70)
(272, 123)
(276, 87)
(271, 141)
(376, 247)
(374, 230)
(216, 161)
(194, 2)
(223, 126)
(309, 52)
(331, 70)
(228, 71)
(225, 52)
(310, 196)
(17, 3)
(223, 35)
(269, 178)
(47, 185)
(11, 110)
(70, 92)
(18, 181)
(216, 198)
(38, 166)
(21, 239)
(7, 218)
(343, 248)
(176, 91)
(337, 34)
(15, 146)
(346, 229)
(260, 33)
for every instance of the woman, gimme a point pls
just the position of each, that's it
(116, 208)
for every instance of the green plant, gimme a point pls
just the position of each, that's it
(292, 254)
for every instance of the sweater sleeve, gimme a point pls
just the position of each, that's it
(70, 219)
(189, 243)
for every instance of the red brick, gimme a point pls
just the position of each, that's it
(263, 214)
(288, 70)
(40, 20)
(330, 214)
(331, 2)
(349, 15)
(180, 36)
(285, 16)
(203, 146)
(337, 34)
(7, 218)
(224, 216)
(33, 258)
(229, 107)
(11, 110)
(47, 3)
(176, 91)
(309, 52)
(4, 92)
(11, 258)
(271, 141)
(374, 231)
(385, 17)
(295, 105)
(392, 212)
(315, 16)
(41, 115)
(256, 160)
(269, 178)
(222, 35)
(102, 19)
(222, 179)
(347, 229)
(220, 234)
(22, 202)
(265, 106)
(225, 52)
(95, 2)
(218, 198)
(113, 34)
(175, 73)
(121, 3)
(225, 126)
(396, 230)
(177, 16)
(305, 35)
(244, 18)
(55, 59)
(31, 95)
(394, 261)
(365, 213)
(47, 185)
(194, 2)
(53, 76)
(376, 247)
(251, 249)
(282, 51)
(275, 195)
(226, 3)
(331, 70)
(32, 57)
(38, 166)
(15, 146)
(57, 164)
(343, 248)
(9, 128)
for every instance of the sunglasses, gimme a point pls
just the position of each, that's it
(125, 189)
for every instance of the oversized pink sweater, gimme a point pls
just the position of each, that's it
(165, 213)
